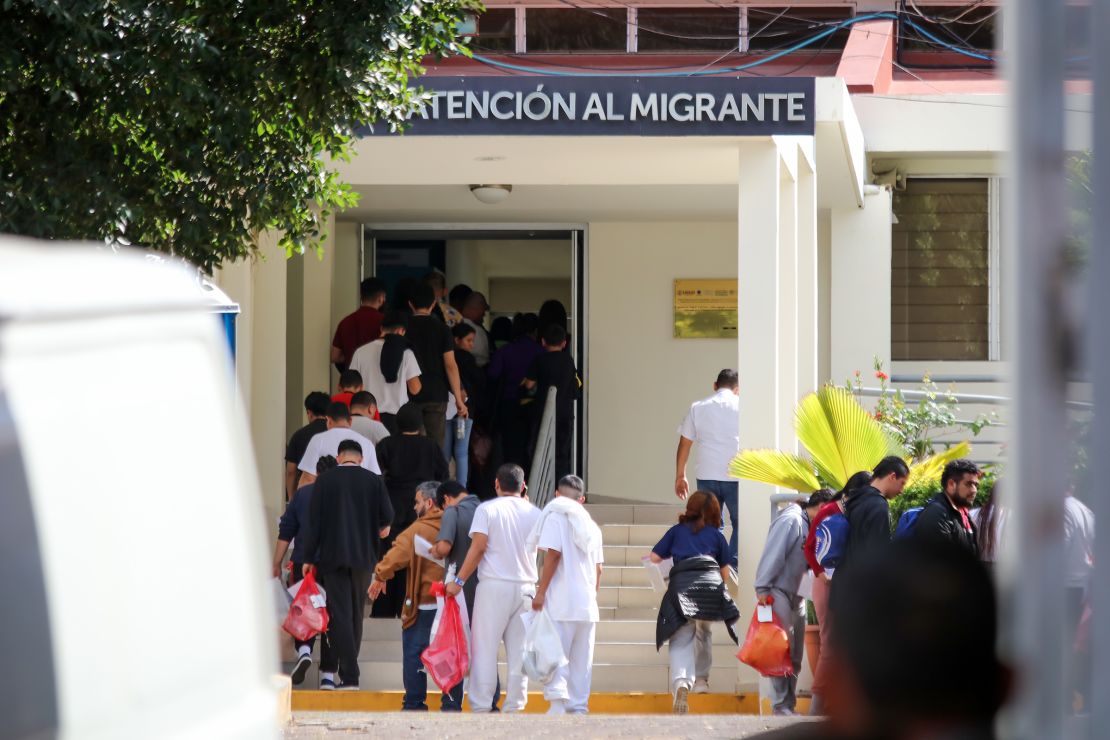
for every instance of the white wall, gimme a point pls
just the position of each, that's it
(641, 379)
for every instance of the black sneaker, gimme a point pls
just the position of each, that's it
(304, 661)
(348, 687)
(326, 684)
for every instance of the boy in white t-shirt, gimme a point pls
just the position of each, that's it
(506, 568)
(389, 368)
(568, 591)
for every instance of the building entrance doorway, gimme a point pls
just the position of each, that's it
(519, 269)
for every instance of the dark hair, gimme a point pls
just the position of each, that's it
(702, 509)
(364, 398)
(409, 418)
(856, 482)
(422, 296)
(510, 477)
(525, 323)
(462, 330)
(572, 482)
(728, 378)
(350, 445)
(317, 402)
(551, 312)
(819, 497)
(988, 522)
(402, 293)
(448, 488)
(939, 610)
(326, 462)
(435, 280)
(338, 411)
(395, 320)
(501, 329)
(371, 288)
(350, 378)
(890, 464)
(458, 296)
(554, 335)
(956, 470)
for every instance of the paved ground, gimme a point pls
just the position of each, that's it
(311, 725)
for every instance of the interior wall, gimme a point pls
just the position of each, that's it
(641, 379)
(475, 262)
(824, 297)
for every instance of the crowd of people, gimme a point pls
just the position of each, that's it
(365, 493)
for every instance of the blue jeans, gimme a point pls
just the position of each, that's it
(728, 495)
(414, 640)
(460, 448)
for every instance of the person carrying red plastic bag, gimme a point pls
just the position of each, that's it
(776, 637)
(308, 614)
(447, 657)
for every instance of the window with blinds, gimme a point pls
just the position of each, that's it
(940, 271)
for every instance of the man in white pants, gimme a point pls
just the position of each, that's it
(506, 569)
(568, 591)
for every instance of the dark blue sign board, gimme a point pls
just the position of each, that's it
(614, 106)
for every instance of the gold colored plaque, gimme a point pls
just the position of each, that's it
(705, 309)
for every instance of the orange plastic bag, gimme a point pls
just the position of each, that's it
(446, 658)
(767, 647)
(308, 614)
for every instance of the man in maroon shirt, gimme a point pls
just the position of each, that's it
(361, 327)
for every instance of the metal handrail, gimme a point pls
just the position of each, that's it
(541, 481)
(960, 397)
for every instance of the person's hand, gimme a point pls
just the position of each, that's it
(277, 569)
(537, 601)
(375, 589)
(681, 487)
(306, 569)
(453, 589)
(460, 407)
(824, 576)
(763, 599)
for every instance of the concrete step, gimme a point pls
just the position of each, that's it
(625, 554)
(640, 653)
(609, 613)
(381, 675)
(633, 534)
(628, 596)
(636, 513)
(624, 575)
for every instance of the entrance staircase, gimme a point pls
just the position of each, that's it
(626, 662)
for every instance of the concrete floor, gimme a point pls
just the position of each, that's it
(311, 725)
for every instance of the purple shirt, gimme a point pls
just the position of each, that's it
(510, 364)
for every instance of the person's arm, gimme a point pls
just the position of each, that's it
(550, 562)
(413, 385)
(682, 456)
(385, 509)
(290, 480)
(662, 549)
(478, 542)
(337, 355)
(597, 587)
(441, 549)
(452, 369)
(773, 559)
(445, 538)
(279, 555)
(307, 478)
(398, 557)
(310, 532)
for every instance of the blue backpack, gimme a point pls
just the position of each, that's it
(831, 540)
(906, 522)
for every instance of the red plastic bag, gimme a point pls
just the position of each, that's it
(308, 614)
(446, 658)
(767, 647)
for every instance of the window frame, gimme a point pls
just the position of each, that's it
(994, 263)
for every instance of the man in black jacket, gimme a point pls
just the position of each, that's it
(868, 513)
(349, 512)
(945, 518)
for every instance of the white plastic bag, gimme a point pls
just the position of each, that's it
(543, 650)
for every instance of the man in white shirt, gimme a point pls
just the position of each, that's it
(506, 568)
(568, 591)
(714, 423)
(327, 443)
(367, 359)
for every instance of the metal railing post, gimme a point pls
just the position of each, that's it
(541, 481)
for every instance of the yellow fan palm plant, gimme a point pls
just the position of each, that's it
(842, 438)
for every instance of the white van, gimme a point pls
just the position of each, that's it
(133, 600)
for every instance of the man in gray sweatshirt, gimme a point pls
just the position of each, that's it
(777, 580)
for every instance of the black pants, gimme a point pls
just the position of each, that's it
(435, 421)
(346, 594)
(564, 438)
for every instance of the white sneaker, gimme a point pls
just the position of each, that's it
(681, 700)
(701, 686)
(558, 706)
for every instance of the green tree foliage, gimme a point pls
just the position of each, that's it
(191, 125)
